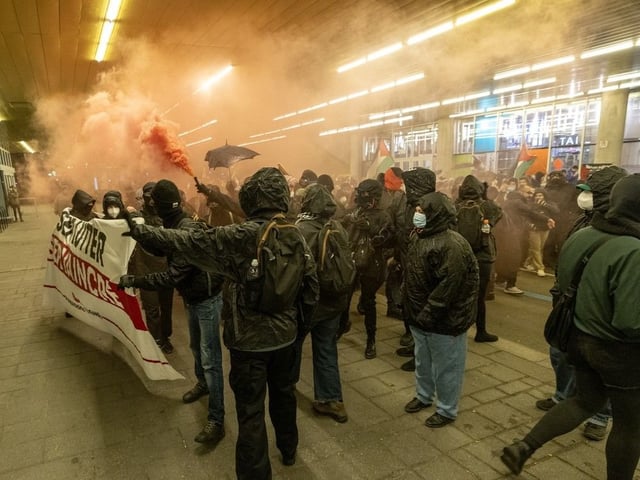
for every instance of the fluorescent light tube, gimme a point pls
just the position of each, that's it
(537, 83)
(483, 11)
(616, 47)
(512, 73)
(553, 63)
(430, 33)
(384, 51)
(509, 88)
(623, 76)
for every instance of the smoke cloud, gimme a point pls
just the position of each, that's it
(124, 132)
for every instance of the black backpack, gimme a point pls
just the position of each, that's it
(275, 275)
(470, 219)
(335, 267)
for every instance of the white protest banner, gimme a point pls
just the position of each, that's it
(84, 265)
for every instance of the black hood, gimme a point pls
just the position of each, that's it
(81, 200)
(601, 182)
(623, 216)
(318, 201)
(112, 197)
(471, 188)
(418, 182)
(265, 190)
(439, 211)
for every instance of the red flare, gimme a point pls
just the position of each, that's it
(168, 145)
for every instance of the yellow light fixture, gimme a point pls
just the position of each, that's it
(113, 8)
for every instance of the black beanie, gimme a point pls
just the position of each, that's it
(166, 195)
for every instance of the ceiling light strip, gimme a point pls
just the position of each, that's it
(26, 146)
(537, 83)
(206, 124)
(426, 34)
(483, 12)
(263, 141)
(616, 47)
(199, 141)
(553, 63)
(113, 8)
(510, 88)
(623, 76)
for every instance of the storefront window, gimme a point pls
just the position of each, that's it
(463, 136)
(631, 147)
(510, 130)
(538, 127)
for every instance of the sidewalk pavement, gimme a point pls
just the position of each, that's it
(72, 409)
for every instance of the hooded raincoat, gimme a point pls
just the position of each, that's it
(442, 273)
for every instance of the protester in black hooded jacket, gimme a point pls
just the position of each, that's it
(441, 289)
(157, 304)
(417, 183)
(370, 230)
(261, 344)
(82, 206)
(318, 207)
(472, 189)
(202, 295)
(564, 195)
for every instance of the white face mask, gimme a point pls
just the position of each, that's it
(113, 212)
(511, 188)
(585, 200)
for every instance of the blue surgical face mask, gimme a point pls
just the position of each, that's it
(419, 220)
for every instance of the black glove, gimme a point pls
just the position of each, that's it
(202, 188)
(126, 281)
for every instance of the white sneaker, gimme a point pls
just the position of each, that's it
(513, 291)
(528, 268)
(542, 273)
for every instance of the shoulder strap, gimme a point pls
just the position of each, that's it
(577, 275)
(323, 246)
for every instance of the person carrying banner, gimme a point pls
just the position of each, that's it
(261, 342)
(157, 304)
(202, 295)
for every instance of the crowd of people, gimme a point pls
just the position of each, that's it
(439, 246)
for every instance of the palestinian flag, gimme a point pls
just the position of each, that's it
(382, 163)
(524, 161)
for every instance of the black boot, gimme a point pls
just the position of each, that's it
(484, 336)
(370, 350)
(515, 455)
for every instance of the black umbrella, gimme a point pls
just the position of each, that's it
(227, 155)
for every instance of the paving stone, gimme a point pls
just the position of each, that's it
(444, 468)
(513, 387)
(488, 395)
(503, 414)
(500, 372)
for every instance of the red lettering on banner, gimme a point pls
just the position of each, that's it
(91, 280)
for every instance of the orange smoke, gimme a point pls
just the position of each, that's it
(167, 143)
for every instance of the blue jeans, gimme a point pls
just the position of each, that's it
(566, 384)
(440, 362)
(204, 333)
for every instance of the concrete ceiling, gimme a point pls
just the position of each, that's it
(47, 49)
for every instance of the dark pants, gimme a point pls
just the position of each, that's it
(368, 288)
(17, 212)
(250, 374)
(157, 306)
(485, 276)
(603, 370)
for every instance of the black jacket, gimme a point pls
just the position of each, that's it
(193, 284)
(473, 189)
(441, 274)
(317, 208)
(228, 251)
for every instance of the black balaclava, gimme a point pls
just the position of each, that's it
(167, 201)
(368, 193)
